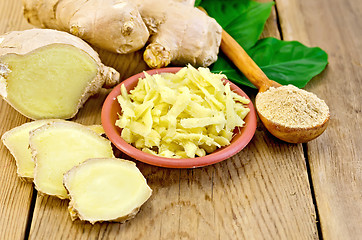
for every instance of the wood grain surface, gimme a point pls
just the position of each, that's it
(335, 159)
(267, 191)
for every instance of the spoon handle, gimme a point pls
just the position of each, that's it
(245, 64)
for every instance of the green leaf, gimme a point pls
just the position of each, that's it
(197, 3)
(288, 62)
(243, 19)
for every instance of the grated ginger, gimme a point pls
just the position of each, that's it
(182, 115)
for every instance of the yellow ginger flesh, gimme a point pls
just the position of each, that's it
(58, 147)
(106, 189)
(48, 82)
(17, 141)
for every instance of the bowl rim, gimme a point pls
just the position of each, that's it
(238, 142)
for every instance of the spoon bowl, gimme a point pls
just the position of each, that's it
(293, 135)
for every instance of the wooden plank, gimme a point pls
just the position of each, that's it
(15, 195)
(335, 157)
(252, 196)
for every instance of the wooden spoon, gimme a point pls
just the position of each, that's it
(257, 77)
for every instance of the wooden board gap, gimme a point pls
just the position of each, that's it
(278, 21)
(317, 218)
(31, 213)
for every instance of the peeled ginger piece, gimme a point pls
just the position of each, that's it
(106, 189)
(59, 146)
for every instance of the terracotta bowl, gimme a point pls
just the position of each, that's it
(111, 109)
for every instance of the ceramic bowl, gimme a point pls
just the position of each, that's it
(111, 109)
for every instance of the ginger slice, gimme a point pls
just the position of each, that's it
(97, 128)
(59, 146)
(53, 76)
(106, 189)
(17, 141)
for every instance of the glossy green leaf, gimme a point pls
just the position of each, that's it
(244, 20)
(197, 3)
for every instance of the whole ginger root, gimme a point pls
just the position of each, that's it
(173, 31)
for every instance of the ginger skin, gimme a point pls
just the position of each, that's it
(180, 34)
(113, 25)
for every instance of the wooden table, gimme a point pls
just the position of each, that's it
(270, 190)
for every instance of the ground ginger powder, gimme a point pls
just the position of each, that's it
(292, 107)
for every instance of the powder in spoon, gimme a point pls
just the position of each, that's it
(292, 107)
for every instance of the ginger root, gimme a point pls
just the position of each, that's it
(59, 146)
(105, 189)
(176, 31)
(50, 74)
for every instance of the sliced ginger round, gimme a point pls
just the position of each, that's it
(59, 146)
(106, 189)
